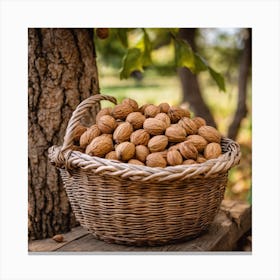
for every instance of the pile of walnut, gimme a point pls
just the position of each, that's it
(154, 136)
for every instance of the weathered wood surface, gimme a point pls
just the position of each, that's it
(230, 224)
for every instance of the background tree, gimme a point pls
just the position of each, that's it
(190, 85)
(61, 73)
(244, 74)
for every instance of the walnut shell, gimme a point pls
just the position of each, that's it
(103, 112)
(210, 133)
(155, 160)
(151, 111)
(158, 143)
(199, 122)
(188, 150)
(189, 161)
(163, 117)
(164, 107)
(174, 158)
(174, 147)
(212, 150)
(175, 113)
(135, 161)
(200, 159)
(125, 151)
(106, 124)
(136, 119)
(188, 125)
(140, 137)
(141, 152)
(89, 135)
(122, 132)
(111, 155)
(78, 131)
(198, 141)
(175, 133)
(100, 146)
(154, 126)
(121, 111)
(164, 154)
(132, 103)
(58, 238)
(143, 107)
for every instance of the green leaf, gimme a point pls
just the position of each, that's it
(184, 56)
(132, 61)
(146, 56)
(218, 78)
(200, 64)
(122, 35)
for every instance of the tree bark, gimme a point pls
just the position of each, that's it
(190, 85)
(61, 73)
(244, 72)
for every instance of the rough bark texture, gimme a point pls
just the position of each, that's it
(244, 72)
(61, 73)
(190, 86)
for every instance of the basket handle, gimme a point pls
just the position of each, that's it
(77, 115)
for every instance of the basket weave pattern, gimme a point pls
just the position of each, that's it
(139, 205)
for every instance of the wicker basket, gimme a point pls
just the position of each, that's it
(139, 205)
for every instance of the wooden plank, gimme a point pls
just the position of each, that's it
(48, 245)
(232, 221)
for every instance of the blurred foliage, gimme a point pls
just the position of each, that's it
(139, 45)
(222, 48)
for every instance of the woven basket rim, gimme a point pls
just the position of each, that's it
(75, 159)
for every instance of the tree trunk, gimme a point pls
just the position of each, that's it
(190, 86)
(244, 71)
(61, 73)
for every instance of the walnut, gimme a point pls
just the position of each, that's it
(100, 146)
(111, 155)
(210, 133)
(188, 150)
(200, 159)
(103, 112)
(212, 150)
(154, 126)
(106, 124)
(175, 133)
(140, 137)
(174, 147)
(175, 113)
(198, 141)
(189, 161)
(151, 111)
(78, 131)
(163, 117)
(125, 151)
(121, 111)
(155, 160)
(89, 135)
(132, 103)
(164, 107)
(199, 122)
(136, 119)
(141, 152)
(122, 132)
(135, 161)
(189, 126)
(174, 158)
(158, 143)
(143, 107)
